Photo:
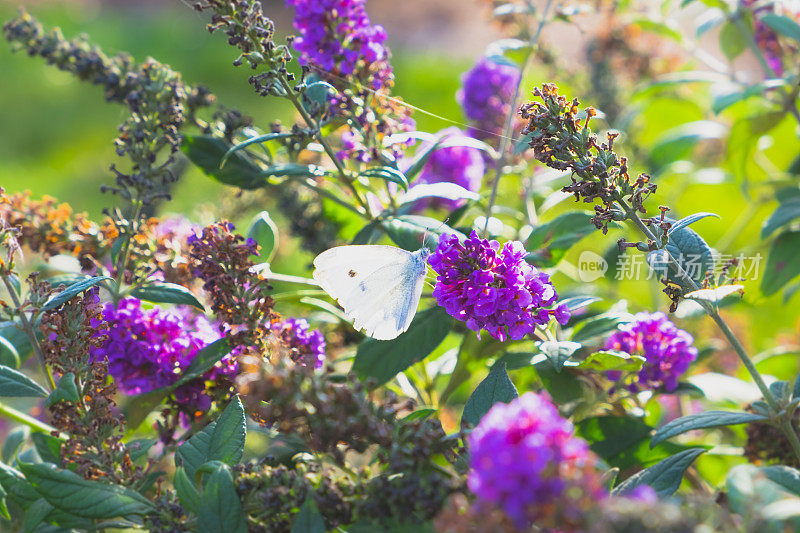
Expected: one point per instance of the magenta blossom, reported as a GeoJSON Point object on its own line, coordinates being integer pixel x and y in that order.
{"type": "Point", "coordinates": [667, 350]}
{"type": "Point", "coordinates": [493, 288]}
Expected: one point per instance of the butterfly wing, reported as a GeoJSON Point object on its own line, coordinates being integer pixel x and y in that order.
{"type": "Point", "coordinates": [378, 287]}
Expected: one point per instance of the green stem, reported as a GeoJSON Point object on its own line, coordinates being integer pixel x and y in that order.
{"type": "Point", "coordinates": [290, 94]}
{"type": "Point", "coordinates": [22, 418]}
{"type": "Point", "coordinates": [501, 162]}
{"type": "Point", "coordinates": [785, 424]}
{"type": "Point", "coordinates": [27, 327]}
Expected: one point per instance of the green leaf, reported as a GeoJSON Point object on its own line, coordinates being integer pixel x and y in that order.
{"type": "Point", "coordinates": [731, 40]}
{"type": "Point", "coordinates": [3, 506]}
{"type": "Point", "coordinates": [443, 189]}
{"type": "Point", "coordinates": [219, 506]}
{"type": "Point", "coordinates": [723, 101]}
{"type": "Point", "coordinates": [187, 492]}
{"type": "Point", "coordinates": [418, 163]}
{"type": "Point", "coordinates": [496, 387]}
{"type": "Point", "coordinates": [73, 290]}
{"type": "Point", "coordinates": [139, 447]}
{"type": "Point", "coordinates": [207, 153]}
{"type": "Point", "coordinates": [783, 25]}
{"type": "Point", "coordinates": [787, 211]}
{"type": "Point", "coordinates": [9, 356]}
{"type": "Point", "coordinates": [142, 405]}
{"type": "Point", "coordinates": [690, 251]}
{"type": "Point", "coordinates": [382, 360]}
{"type": "Point", "coordinates": [368, 234]}
{"type": "Point", "coordinates": [578, 302]}
{"type": "Point", "coordinates": [418, 414]}
{"type": "Point", "coordinates": [47, 446]}
{"type": "Point", "coordinates": [66, 391]}
{"type": "Point", "coordinates": [72, 494]}
{"type": "Point", "coordinates": [14, 383]}
{"type": "Point", "coordinates": [36, 513]}
{"type": "Point", "coordinates": [167, 293]}
{"type": "Point", "coordinates": [623, 441]}
{"type": "Point", "coordinates": [309, 520]}
{"type": "Point", "coordinates": [691, 219]}
{"type": "Point", "coordinates": [387, 174]}
{"type": "Point", "coordinates": [559, 351]}
{"type": "Point", "coordinates": [316, 95]}
{"type": "Point", "coordinates": [18, 339]}
{"type": "Point", "coordinates": [204, 361]}
{"type": "Point", "coordinates": [708, 419]}
{"type": "Point", "coordinates": [563, 387]}
{"type": "Point", "coordinates": [785, 476]}
{"type": "Point", "coordinates": [248, 142]}
{"type": "Point", "coordinates": [17, 487]}
{"type": "Point", "coordinates": [659, 28]}
{"type": "Point", "coordinates": [14, 442]}
{"type": "Point", "coordinates": [265, 232]}
{"type": "Point", "coordinates": [665, 476]}
{"type": "Point", "coordinates": [677, 144]}
{"type": "Point", "coordinates": [612, 361]}
{"type": "Point", "coordinates": [783, 262]}
{"type": "Point", "coordinates": [221, 440]}
{"type": "Point", "coordinates": [549, 242]}
{"type": "Point", "coordinates": [715, 295]}
{"type": "Point", "coordinates": [600, 325]}
{"type": "Point", "coordinates": [409, 231]}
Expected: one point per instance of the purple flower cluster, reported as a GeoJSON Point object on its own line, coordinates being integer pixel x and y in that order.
{"type": "Point", "coordinates": [525, 459]}
{"type": "Point", "coordinates": [147, 350]}
{"type": "Point", "coordinates": [462, 165]}
{"type": "Point", "coordinates": [667, 350]}
{"type": "Point", "coordinates": [307, 345]}
{"type": "Point", "coordinates": [493, 288]}
{"type": "Point", "coordinates": [486, 94]}
{"type": "Point", "coordinates": [338, 37]}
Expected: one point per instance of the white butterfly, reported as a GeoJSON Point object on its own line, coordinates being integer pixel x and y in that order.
{"type": "Point", "coordinates": [378, 286]}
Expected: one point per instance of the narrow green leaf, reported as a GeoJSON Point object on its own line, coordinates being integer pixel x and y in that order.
{"type": "Point", "coordinates": [309, 520]}
{"type": "Point", "coordinates": [612, 361]}
{"type": "Point", "coordinates": [559, 351]}
{"type": "Point", "coordinates": [419, 414]}
{"type": "Point", "coordinates": [66, 391]}
{"type": "Point", "coordinates": [3, 506]}
{"type": "Point", "coordinates": [220, 508]}
{"type": "Point", "coordinates": [665, 476]}
{"type": "Point", "coordinates": [783, 262]}
{"type": "Point", "coordinates": [420, 159]}
{"type": "Point", "coordinates": [139, 447]}
{"type": "Point", "coordinates": [715, 295]}
{"type": "Point", "coordinates": [382, 360]}
{"type": "Point", "coordinates": [47, 446]}
{"type": "Point", "coordinates": [387, 174]}
{"type": "Point", "coordinates": [72, 494]}
{"type": "Point", "coordinates": [167, 293]}
{"type": "Point", "coordinates": [549, 242]}
{"type": "Point", "coordinates": [578, 302]}
{"type": "Point", "coordinates": [691, 219]}
{"type": "Point", "coordinates": [496, 387]}
{"type": "Point", "coordinates": [708, 419]}
{"type": "Point", "coordinates": [787, 212]}
{"type": "Point", "coordinates": [688, 249]}
{"type": "Point", "coordinates": [204, 361]}
{"type": "Point", "coordinates": [187, 492]}
{"type": "Point", "coordinates": [265, 232]}
{"type": "Point", "coordinates": [192, 454]}
{"type": "Point", "coordinates": [248, 142]}
{"type": "Point", "coordinates": [411, 232]}
{"type": "Point", "coordinates": [13, 443]}
{"type": "Point", "coordinates": [207, 152]}
{"type": "Point", "coordinates": [783, 25]}
{"type": "Point", "coordinates": [14, 383]}
{"type": "Point", "coordinates": [9, 356]}
{"type": "Point", "coordinates": [600, 325]}
{"type": "Point", "coordinates": [73, 290]}
{"type": "Point", "coordinates": [731, 40]}
{"type": "Point", "coordinates": [36, 513]}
